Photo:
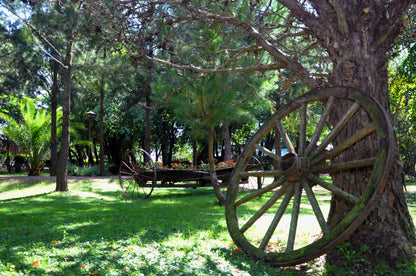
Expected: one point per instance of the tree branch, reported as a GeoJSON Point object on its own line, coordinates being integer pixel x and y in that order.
{"type": "Point", "coordinates": [190, 67]}
{"type": "Point", "coordinates": [285, 61]}
{"type": "Point", "coordinates": [342, 22]}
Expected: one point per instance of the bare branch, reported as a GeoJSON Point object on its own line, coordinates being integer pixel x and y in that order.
{"type": "Point", "coordinates": [190, 67]}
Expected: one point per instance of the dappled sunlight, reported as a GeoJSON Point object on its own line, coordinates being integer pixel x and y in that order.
{"type": "Point", "coordinates": [93, 229]}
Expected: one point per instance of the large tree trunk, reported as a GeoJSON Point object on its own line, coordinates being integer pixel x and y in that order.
{"type": "Point", "coordinates": [54, 106]}
{"type": "Point", "coordinates": [62, 168]}
{"type": "Point", "coordinates": [359, 60]}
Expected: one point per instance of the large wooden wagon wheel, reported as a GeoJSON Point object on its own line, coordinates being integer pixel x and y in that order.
{"type": "Point", "coordinates": [134, 174]}
{"type": "Point", "coordinates": [285, 223]}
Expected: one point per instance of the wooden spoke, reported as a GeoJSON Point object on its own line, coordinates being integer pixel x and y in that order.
{"type": "Point", "coordinates": [339, 192]}
{"type": "Point", "coordinates": [130, 176]}
{"type": "Point", "coordinates": [334, 167]}
{"type": "Point", "coordinates": [130, 185]}
{"type": "Point", "coordinates": [260, 192]}
{"type": "Point", "coordinates": [285, 137]}
{"type": "Point", "coordinates": [294, 218]}
{"type": "Point", "coordinates": [322, 121]}
{"type": "Point", "coordinates": [315, 206]}
{"type": "Point", "coordinates": [345, 144]}
{"type": "Point", "coordinates": [127, 173]}
{"type": "Point", "coordinates": [264, 208]}
{"type": "Point", "coordinates": [261, 173]}
{"type": "Point", "coordinates": [276, 219]}
{"type": "Point", "coordinates": [335, 131]}
{"type": "Point", "coordinates": [267, 152]}
{"type": "Point", "coordinates": [126, 168]}
{"type": "Point", "coordinates": [303, 123]}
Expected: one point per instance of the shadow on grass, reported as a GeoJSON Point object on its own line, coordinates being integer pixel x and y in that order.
{"type": "Point", "coordinates": [80, 234]}
{"type": "Point", "coordinates": [94, 228]}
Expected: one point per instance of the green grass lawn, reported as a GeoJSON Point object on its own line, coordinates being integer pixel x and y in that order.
{"type": "Point", "coordinates": [93, 230]}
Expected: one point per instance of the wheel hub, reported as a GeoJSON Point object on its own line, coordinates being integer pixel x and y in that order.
{"type": "Point", "coordinates": [295, 167]}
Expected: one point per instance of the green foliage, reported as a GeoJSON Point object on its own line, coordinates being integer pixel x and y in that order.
{"type": "Point", "coordinates": [30, 132]}
{"type": "Point", "coordinates": [213, 101]}
{"type": "Point", "coordinates": [83, 170]}
{"type": "Point", "coordinates": [402, 88]}
{"type": "Point", "coordinates": [20, 66]}
{"type": "Point", "coordinates": [357, 262]}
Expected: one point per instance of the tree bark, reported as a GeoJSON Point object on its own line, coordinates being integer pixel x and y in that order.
{"type": "Point", "coordinates": [102, 167]}
{"type": "Point", "coordinates": [148, 122]}
{"type": "Point", "coordinates": [54, 106]}
{"type": "Point", "coordinates": [62, 168]}
{"type": "Point", "coordinates": [359, 60]}
{"type": "Point", "coordinates": [228, 155]}
{"type": "Point", "coordinates": [213, 174]}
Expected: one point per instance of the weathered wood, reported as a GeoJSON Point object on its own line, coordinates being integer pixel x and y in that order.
{"type": "Point", "coordinates": [334, 189]}
{"type": "Point", "coordinates": [322, 121]}
{"type": "Point", "coordinates": [345, 144]}
{"type": "Point", "coordinates": [336, 130]}
{"type": "Point", "coordinates": [315, 206]}
{"type": "Point", "coordinates": [265, 207]}
{"type": "Point", "coordinates": [267, 152]}
{"type": "Point", "coordinates": [260, 192]}
{"type": "Point", "coordinates": [294, 218]}
{"type": "Point", "coordinates": [285, 137]}
{"type": "Point", "coordinates": [334, 167]}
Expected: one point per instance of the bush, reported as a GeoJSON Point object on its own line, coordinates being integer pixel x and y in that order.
{"type": "Point", "coordinates": [113, 169]}
{"type": "Point", "coordinates": [75, 170]}
{"type": "Point", "coordinates": [13, 163]}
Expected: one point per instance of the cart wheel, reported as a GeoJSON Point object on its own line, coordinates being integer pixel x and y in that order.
{"type": "Point", "coordinates": [134, 174]}
{"type": "Point", "coordinates": [265, 223]}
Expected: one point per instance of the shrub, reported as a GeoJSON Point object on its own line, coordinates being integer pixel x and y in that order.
{"type": "Point", "coordinates": [75, 170]}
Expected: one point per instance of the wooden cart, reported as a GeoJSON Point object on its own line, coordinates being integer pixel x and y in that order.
{"type": "Point", "coordinates": [138, 177]}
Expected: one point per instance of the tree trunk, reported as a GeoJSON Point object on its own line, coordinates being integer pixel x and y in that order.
{"type": "Point", "coordinates": [388, 233]}
{"type": "Point", "coordinates": [213, 174]}
{"type": "Point", "coordinates": [194, 153]}
{"type": "Point", "coordinates": [54, 106]}
{"type": "Point", "coordinates": [147, 136]}
{"type": "Point", "coordinates": [102, 167]}
{"type": "Point", "coordinates": [228, 155]}
{"type": "Point", "coordinates": [62, 168]}
{"type": "Point", "coordinates": [172, 140]}
{"type": "Point", "coordinates": [277, 139]}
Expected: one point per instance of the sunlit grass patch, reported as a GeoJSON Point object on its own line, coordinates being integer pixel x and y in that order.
{"type": "Point", "coordinates": [16, 189]}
